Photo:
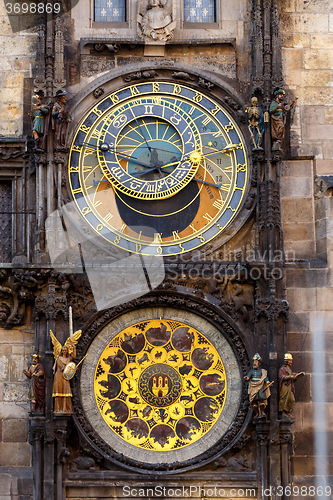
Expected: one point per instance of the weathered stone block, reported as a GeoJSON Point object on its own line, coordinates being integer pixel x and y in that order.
{"type": "Point", "coordinates": [22, 64]}
{"type": "Point", "coordinates": [304, 23]}
{"type": "Point", "coordinates": [294, 297]}
{"type": "Point", "coordinates": [300, 168]}
{"type": "Point", "coordinates": [11, 128]}
{"type": "Point", "coordinates": [321, 321]}
{"type": "Point", "coordinates": [299, 341]}
{"type": "Point", "coordinates": [14, 454]}
{"type": "Point", "coordinates": [328, 150]}
{"type": "Point", "coordinates": [18, 349]}
{"type": "Point", "coordinates": [313, 78]}
{"type": "Point", "coordinates": [5, 349]}
{"type": "Point", "coordinates": [304, 443]}
{"type": "Point", "coordinates": [313, 114]}
{"type": "Point", "coordinates": [8, 409]}
{"type": "Point", "coordinates": [298, 322]}
{"type": "Point", "coordinates": [321, 228]}
{"type": "Point", "coordinates": [301, 231]}
{"type": "Point", "coordinates": [301, 249]}
{"type": "Point", "coordinates": [297, 210]}
{"type": "Point", "coordinates": [295, 40]}
{"type": "Point", "coordinates": [309, 299]}
{"type": "Point", "coordinates": [5, 484]}
{"type": "Point", "coordinates": [324, 167]}
{"type": "Point", "coordinates": [292, 59]}
{"type": "Point", "coordinates": [14, 79]}
{"type": "Point", "coordinates": [321, 41]}
{"type": "Point", "coordinates": [4, 367]}
{"type": "Point", "coordinates": [318, 6]}
{"type": "Point", "coordinates": [15, 430]}
{"type": "Point", "coordinates": [24, 486]}
{"type": "Point", "coordinates": [329, 114]}
{"type": "Point", "coordinates": [306, 278]}
{"type": "Point", "coordinates": [318, 132]}
{"type": "Point", "coordinates": [296, 187]}
{"type": "Point", "coordinates": [16, 391]}
{"type": "Point", "coordinates": [318, 59]}
{"type": "Point", "coordinates": [311, 96]}
{"type": "Point", "coordinates": [17, 365]}
{"type": "Point", "coordinates": [17, 45]}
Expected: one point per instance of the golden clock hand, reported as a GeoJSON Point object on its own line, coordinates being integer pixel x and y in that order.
{"type": "Point", "coordinates": [129, 158]}
{"type": "Point", "coordinates": [227, 149]}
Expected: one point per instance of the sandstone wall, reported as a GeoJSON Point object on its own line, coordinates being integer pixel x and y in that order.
{"type": "Point", "coordinates": [307, 211]}
{"type": "Point", "coordinates": [17, 54]}
{"type": "Point", "coordinates": [15, 451]}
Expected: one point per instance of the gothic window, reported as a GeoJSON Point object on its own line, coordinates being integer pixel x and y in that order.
{"type": "Point", "coordinates": [5, 221]}
{"type": "Point", "coordinates": [113, 11]}
{"type": "Point", "coordinates": [199, 11]}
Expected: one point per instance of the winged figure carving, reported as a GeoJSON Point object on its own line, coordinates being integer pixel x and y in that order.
{"type": "Point", "coordinates": [70, 342]}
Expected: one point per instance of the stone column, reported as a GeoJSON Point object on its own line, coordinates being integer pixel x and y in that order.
{"type": "Point", "coordinates": [40, 159]}
{"type": "Point", "coordinates": [262, 435]}
{"type": "Point", "coordinates": [36, 434]}
{"type": "Point", "coordinates": [61, 425]}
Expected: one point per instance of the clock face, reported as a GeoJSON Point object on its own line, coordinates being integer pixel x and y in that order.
{"type": "Point", "coordinates": [158, 168]}
{"type": "Point", "coordinates": [160, 385]}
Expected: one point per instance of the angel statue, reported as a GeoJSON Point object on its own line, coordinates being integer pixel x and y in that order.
{"type": "Point", "coordinates": [61, 386]}
{"type": "Point", "coordinates": [155, 19]}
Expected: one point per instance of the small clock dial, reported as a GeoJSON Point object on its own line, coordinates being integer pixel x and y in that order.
{"type": "Point", "coordinates": [158, 168]}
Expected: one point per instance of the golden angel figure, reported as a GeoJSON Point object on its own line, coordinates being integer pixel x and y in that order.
{"type": "Point", "coordinates": [61, 387]}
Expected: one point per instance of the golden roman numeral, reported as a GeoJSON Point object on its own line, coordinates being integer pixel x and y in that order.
{"type": "Point", "coordinates": [108, 217]}
{"type": "Point", "coordinates": [208, 217]}
{"type": "Point", "coordinates": [158, 238]}
{"type": "Point", "coordinates": [218, 204]}
{"type": "Point", "coordinates": [134, 90]}
{"type": "Point", "coordinates": [175, 235]}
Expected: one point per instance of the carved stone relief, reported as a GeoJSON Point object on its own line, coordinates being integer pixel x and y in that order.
{"type": "Point", "coordinates": [155, 20]}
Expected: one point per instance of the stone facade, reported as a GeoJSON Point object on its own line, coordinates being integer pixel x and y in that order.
{"type": "Point", "coordinates": [230, 56]}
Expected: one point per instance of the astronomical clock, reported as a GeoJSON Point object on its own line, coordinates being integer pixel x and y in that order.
{"type": "Point", "coordinates": [160, 169]}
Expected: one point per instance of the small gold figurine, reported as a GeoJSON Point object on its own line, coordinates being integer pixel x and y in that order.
{"type": "Point", "coordinates": [64, 356]}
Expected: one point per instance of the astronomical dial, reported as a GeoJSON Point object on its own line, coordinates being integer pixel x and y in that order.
{"type": "Point", "coordinates": [158, 168]}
